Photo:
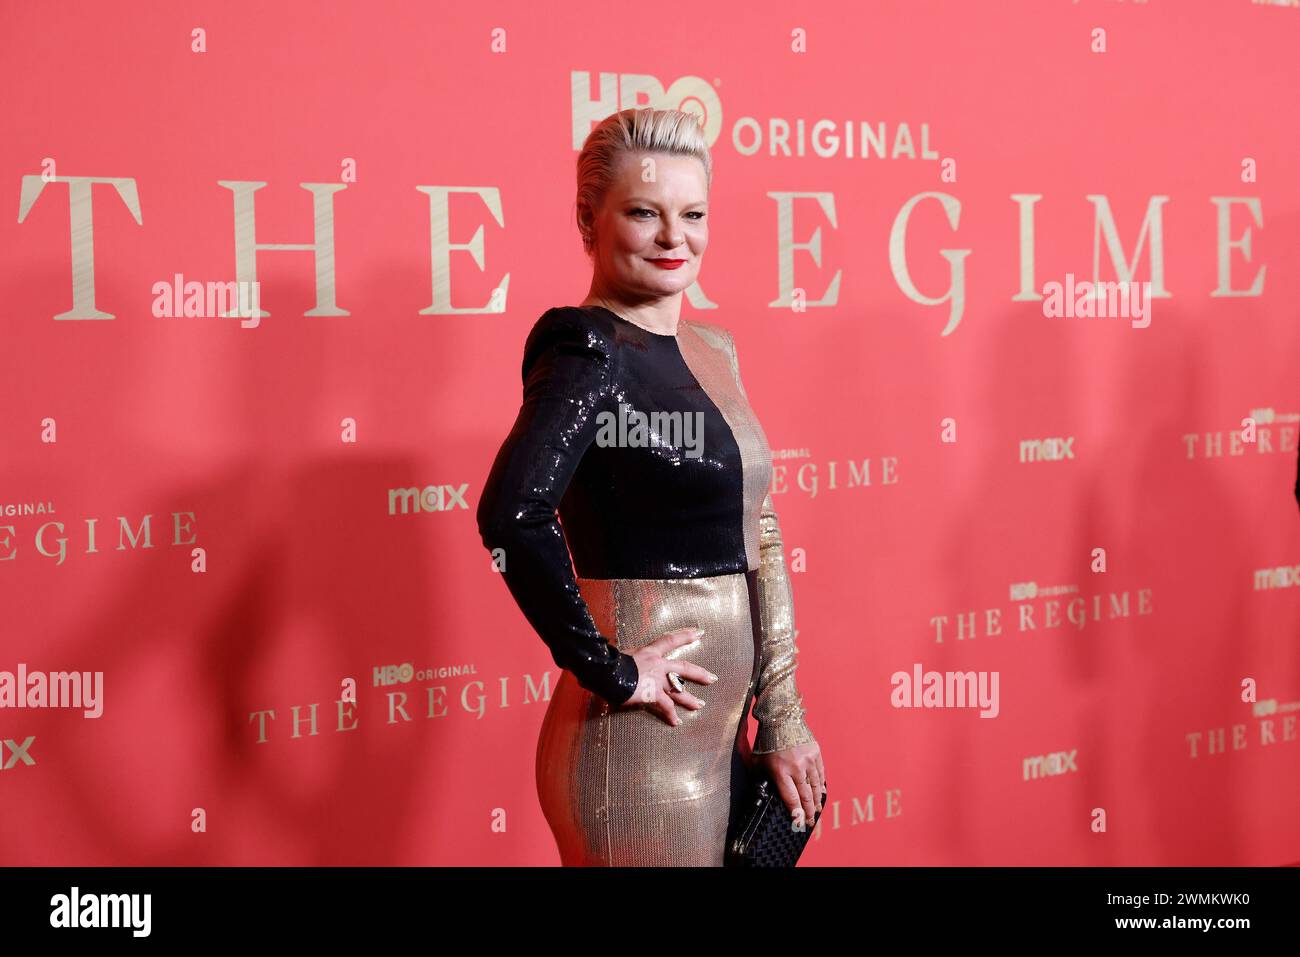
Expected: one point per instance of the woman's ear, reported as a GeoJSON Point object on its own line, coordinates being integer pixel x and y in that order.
{"type": "Point", "coordinates": [586, 223]}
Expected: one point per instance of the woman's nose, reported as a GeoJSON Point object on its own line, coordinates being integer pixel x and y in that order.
{"type": "Point", "coordinates": [671, 237]}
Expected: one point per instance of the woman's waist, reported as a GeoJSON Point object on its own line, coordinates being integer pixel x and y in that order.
{"type": "Point", "coordinates": [658, 556]}
{"type": "Point", "coordinates": [672, 581]}
{"type": "Point", "coordinates": [658, 538]}
{"type": "Point", "coordinates": [632, 612]}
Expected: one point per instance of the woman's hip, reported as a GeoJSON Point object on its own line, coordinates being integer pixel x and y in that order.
{"type": "Point", "coordinates": [613, 782]}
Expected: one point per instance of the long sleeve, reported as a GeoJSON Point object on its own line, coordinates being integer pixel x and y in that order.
{"type": "Point", "coordinates": [778, 706]}
{"type": "Point", "coordinates": [568, 374]}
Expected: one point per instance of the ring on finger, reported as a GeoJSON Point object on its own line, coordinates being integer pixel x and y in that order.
{"type": "Point", "coordinates": [675, 680]}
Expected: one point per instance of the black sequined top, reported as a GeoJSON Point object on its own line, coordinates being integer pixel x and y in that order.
{"type": "Point", "coordinates": [651, 504]}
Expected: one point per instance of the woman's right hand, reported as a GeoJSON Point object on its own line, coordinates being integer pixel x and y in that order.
{"type": "Point", "coordinates": [654, 690]}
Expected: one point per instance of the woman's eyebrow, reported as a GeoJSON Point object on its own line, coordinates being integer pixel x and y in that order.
{"type": "Point", "coordinates": [650, 202]}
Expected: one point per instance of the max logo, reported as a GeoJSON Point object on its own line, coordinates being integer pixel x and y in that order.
{"type": "Point", "coordinates": [1046, 765]}
{"type": "Point", "coordinates": [1046, 450]}
{"type": "Point", "coordinates": [16, 751]}
{"type": "Point", "coordinates": [431, 498]}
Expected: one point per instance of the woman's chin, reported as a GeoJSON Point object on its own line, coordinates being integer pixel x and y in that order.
{"type": "Point", "coordinates": [668, 281]}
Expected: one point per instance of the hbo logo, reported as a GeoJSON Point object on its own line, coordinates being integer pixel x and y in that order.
{"type": "Point", "coordinates": [394, 674]}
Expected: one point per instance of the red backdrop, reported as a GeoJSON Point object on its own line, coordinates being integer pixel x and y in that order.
{"type": "Point", "coordinates": [436, 145]}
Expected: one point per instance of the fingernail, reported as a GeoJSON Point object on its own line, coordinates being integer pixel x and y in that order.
{"type": "Point", "coordinates": [713, 676]}
{"type": "Point", "coordinates": [699, 631]}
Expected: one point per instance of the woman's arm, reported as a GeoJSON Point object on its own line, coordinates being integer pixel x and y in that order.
{"type": "Point", "coordinates": [778, 706]}
{"type": "Point", "coordinates": [567, 373]}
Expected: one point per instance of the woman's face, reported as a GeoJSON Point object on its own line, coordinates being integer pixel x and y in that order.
{"type": "Point", "coordinates": [654, 214]}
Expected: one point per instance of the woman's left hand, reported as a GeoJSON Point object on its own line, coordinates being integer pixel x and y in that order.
{"type": "Point", "coordinates": [799, 775]}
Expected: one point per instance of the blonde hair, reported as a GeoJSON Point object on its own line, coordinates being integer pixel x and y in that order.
{"type": "Point", "coordinates": [638, 130]}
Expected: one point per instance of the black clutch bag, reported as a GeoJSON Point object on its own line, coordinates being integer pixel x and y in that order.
{"type": "Point", "coordinates": [759, 832]}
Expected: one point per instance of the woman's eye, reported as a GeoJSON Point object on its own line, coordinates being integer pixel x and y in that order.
{"type": "Point", "coordinates": [694, 214]}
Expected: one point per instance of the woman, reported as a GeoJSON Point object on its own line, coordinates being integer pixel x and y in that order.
{"type": "Point", "coordinates": [680, 572]}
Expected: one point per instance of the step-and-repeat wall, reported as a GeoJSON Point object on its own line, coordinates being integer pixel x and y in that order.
{"type": "Point", "coordinates": [1013, 287]}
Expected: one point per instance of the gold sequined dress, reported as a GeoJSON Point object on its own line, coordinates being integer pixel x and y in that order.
{"type": "Point", "coordinates": [669, 525]}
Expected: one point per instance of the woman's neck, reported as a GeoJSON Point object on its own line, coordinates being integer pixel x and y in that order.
{"type": "Point", "coordinates": [660, 317]}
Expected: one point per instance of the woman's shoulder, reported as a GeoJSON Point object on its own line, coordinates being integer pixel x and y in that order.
{"type": "Point", "coordinates": [719, 337]}
{"type": "Point", "coordinates": [711, 332]}
{"type": "Point", "coordinates": [573, 320]}
{"type": "Point", "coordinates": [569, 329]}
